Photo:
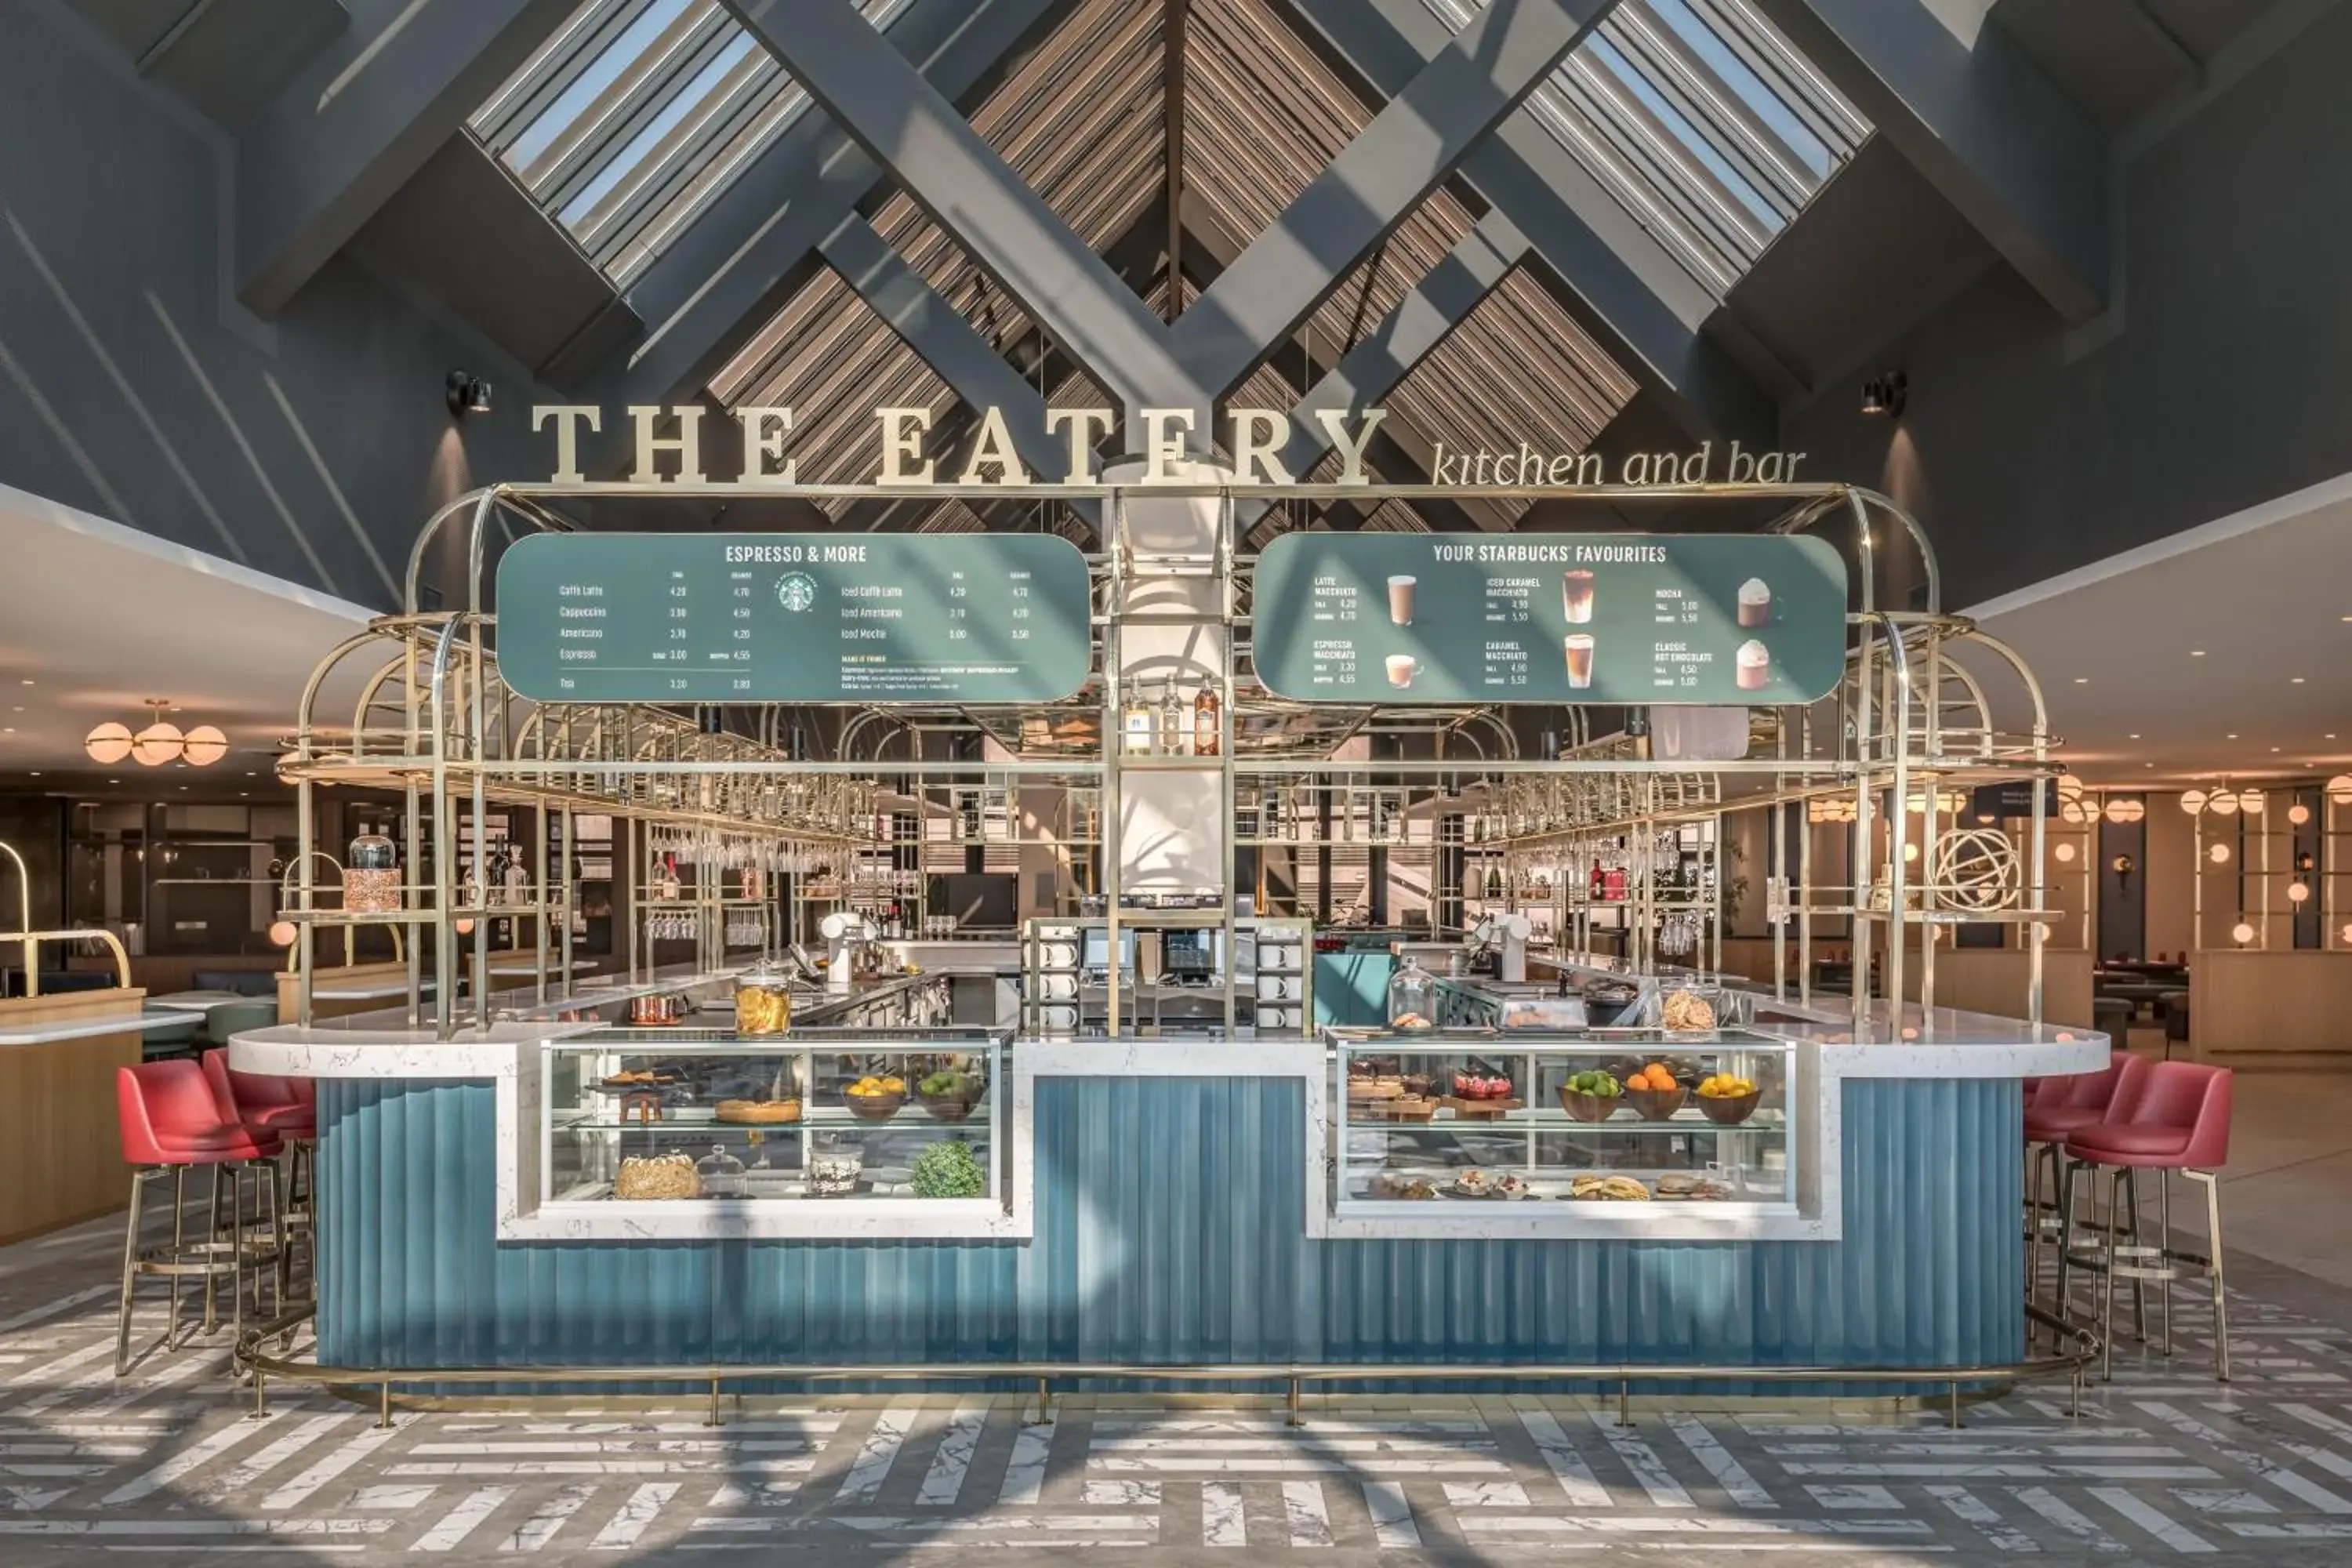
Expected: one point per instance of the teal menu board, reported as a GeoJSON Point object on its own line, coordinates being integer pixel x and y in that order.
{"type": "Point", "coordinates": [793, 617]}
{"type": "Point", "coordinates": [1621, 619]}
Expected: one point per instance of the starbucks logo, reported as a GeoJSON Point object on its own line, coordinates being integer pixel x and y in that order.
{"type": "Point", "coordinates": [796, 591]}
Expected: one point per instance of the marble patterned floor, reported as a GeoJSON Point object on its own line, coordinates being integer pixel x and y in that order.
{"type": "Point", "coordinates": [167, 1464]}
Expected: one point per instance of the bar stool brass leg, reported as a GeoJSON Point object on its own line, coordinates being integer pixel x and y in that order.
{"type": "Point", "coordinates": [179, 1244]}
{"type": "Point", "coordinates": [130, 1272]}
{"type": "Point", "coordinates": [2107, 1283]}
{"type": "Point", "coordinates": [2212, 1182]}
{"type": "Point", "coordinates": [2034, 1153]}
{"type": "Point", "coordinates": [2139, 1285]}
{"type": "Point", "coordinates": [2163, 1240]}
{"type": "Point", "coordinates": [211, 1239]}
{"type": "Point", "coordinates": [2065, 1300]}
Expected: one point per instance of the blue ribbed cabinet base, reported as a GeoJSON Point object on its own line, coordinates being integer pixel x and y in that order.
{"type": "Point", "coordinates": [1169, 1231]}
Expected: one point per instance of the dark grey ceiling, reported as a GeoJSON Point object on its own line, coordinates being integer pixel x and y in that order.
{"type": "Point", "coordinates": [2118, 57]}
{"type": "Point", "coordinates": [228, 57]}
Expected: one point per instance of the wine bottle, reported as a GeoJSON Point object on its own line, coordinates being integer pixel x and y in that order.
{"type": "Point", "coordinates": [1207, 710]}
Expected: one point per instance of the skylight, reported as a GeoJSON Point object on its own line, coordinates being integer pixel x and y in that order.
{"type": "Point", "coordinates": [636, 115]}
{"type": "Point", "coordinates": [1704, 121]}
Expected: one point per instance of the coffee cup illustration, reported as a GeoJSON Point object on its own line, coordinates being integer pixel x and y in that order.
{"type": "Point", "coordinates": [1576, 595]}
{"type": "Point", "coordinates": [1755, 603]}
{"type": "Point", "coordinates": [1400, 599]}
{"type": "Point", "coordinates": [1578, 646]}
{"type": "Point", "coordinates": [1402, 669]}
{"type": "Point", "coordinates": [1754, 664]}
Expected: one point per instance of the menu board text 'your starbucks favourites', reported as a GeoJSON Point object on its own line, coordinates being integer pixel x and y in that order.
{"type": "Point", "coordinates": [793, 617]}
{"type": "Point", "coordinates": [1717, 619]}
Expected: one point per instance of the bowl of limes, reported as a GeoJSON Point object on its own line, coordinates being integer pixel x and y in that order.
{"type": "Point", "coordinates": [1591, 1095]}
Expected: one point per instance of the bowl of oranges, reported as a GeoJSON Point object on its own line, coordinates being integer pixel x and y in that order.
{"type": "Point", "coordinates": [874, 1098]}
{"type": "Point", "coordinates": [1728, 1099]}
{"type": "Point", "coordinates": [1655, 1093]}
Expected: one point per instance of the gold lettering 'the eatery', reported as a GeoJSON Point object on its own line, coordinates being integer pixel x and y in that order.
{"type": "Point", "coordinates": [1258, 437]}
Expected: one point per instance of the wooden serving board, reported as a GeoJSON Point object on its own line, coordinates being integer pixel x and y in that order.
{"type": "Point", "coordinates": [1482, 1109]}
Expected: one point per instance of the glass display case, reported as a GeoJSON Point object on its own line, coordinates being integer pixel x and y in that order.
{"type": "Point", "coordinates": [671, 1114]}
{"type": "Point", "coordinates": [1627, 1116]}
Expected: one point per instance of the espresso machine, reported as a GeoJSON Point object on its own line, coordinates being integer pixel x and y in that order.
{"type": "Point", "coordinates": [847, 935]}
{"type": "Point", "coordinates": [1504, 935]}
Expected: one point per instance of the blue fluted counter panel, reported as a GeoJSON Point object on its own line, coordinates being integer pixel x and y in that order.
{"type": "Point", "coordinates": [1169, 1229]}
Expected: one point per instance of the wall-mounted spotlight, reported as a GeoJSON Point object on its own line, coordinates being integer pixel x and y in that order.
{"type": "Point", "coordinates": [2123, 866]}
{"type": "Point", "coordinates": [468, 394]}
{"type": "Point", "coordinates": [1885, 394]}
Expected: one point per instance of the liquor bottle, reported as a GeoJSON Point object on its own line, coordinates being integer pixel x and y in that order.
{"type": "Point", "coordinates": [1171, 720]}
{"type": "Point", "coordinates": [1494, 883]}
{"type": "Point", "coordinates": [1207, 710]}
{"type": "Point", "coordinates": [1138, 724]}
{"type": "Point", "coordinates": [1599, 881]}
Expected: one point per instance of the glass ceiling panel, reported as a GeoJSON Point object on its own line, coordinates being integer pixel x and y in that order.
{"type": "Point", "coordinates": [1703, 122]}
{"type": "Point", "coordinates": [636, 115]}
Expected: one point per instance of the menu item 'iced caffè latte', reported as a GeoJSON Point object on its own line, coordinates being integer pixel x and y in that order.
{"type": "Point", "coordinates": [1400, 600]}
{"type": "Point", "coordinates": [1755, 603]}
{"type": "Point", "coordinates": [1576, 596]}
{"type": "Point", "coordinates": [1578, 646]}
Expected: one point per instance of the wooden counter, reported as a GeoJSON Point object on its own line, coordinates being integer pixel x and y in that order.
{"type": "Point", "coordinates": [61, 1145]}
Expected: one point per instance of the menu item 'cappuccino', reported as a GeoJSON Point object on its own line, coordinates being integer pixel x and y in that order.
{"type": "Point", "coordinates": [1400, 600]}
{"type": "Point", "coordinates": [1755, 664]}
{"type": "Point", "coordinates": [1576, 595]}
{"type": "Point", "coordinates": [1401, 669]}
{"type": "Point", "coordinates": [1578, 646]}
{"type": "Point", "coordinates": [1755, 603]}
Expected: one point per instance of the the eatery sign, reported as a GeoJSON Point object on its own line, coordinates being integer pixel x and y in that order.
{"type": "Point", "coordinates": [1255, 439]}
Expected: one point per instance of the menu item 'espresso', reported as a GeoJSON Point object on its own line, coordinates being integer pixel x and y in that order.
{"type": "Point", "coordinates": [1400, 600]}
{"type": "Point", "coordinates": [1755, 666]}
{"type": "Point", "coordinates": [1578, 646]}
{"type": "Point", "coordinates": [1576, 595]}
{"type": "Point", "coordinates": [1401, 669]}
{"type": "Point", "coordinates": [1755, 603]}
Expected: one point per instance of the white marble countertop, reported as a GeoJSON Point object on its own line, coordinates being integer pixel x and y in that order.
{"type": "Point", "coordinates": [42, 1034]}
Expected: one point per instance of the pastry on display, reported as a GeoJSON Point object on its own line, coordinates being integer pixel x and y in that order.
{"type": "Point", "coordinates": [1480, 1086]}
{"type": "Point", "coordinates": [1411, 1021]}
{"type": "Point", "coordinates": [1686, 1010]}
{"type": "Point", "coordinates": [657, 1176]}
{"type": "Point", "coordinates": [1591, 1188]}
{"type": "Point", "coordinates": [835, 1173]}
{"type": "Point", "coordinates": [1390, 1185]}
{"type": "Point", "coordinates": [757, 1111]}
{"type": "Point", "coordinates": [1490, 1184]}
{"type": "Point", "coordinates": [1683, 1187]}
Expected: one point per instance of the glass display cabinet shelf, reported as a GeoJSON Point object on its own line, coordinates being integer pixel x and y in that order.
{"type": "Point", "coordinates": [699, 1115]}
{"type": "Point", "coordinates": [1700, 1119]}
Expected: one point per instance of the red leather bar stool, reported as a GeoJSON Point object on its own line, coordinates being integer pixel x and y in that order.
{"type": "Point", "coordinates": [285, 1109]}
{"type": "Point", "coordinates": [2176, 1119]}
{"type": "Point", "coordinates": [170, 1124]}
{"type": "Point", "coordinates": [2059, 1108]}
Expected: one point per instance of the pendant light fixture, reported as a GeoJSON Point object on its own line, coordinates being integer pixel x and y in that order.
{"type": "Point", "coordinates": [158, 741]}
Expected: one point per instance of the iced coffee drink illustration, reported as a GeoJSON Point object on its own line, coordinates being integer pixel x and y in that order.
{"type": "Point", "coordinates": [1400, 600]}
{"type": "Point", "coordinates": [1755, 603]}
{"type": "Point", "coordinates": [1576, 595]}
{"type": "Point", "coordinates": [1754, 661]}
{"type": "Point", "coordinates": [1401, 666]}
{"type": "Point", "coordinates": [1578, 646]}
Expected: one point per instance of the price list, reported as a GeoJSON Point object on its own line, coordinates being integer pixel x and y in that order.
{"type": "Point", "coordinates": [587, 618]}
{"type": "Point", "coordinates": [1618, 619]}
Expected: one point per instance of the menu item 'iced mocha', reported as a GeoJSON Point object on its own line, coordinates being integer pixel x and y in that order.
{"type": "Point", "coordinates": [1576, 595]}
{"type": "Point", "coordinates": [1400, 600]}
{"type": "Point", "coordinates": [1755, 603]}
{"type": "Point", "coordinates": [1401, 669]}
{"type": "Point", "coordinates": [1578, 646]}
{"type": "Point", "coordinates": [1755, 666]}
